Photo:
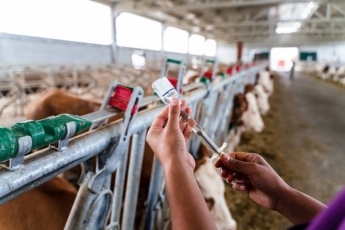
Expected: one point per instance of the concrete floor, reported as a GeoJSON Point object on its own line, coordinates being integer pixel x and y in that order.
{"type": "Point", "coordinates": [312, 133]}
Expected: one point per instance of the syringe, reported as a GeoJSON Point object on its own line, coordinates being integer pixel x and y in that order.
{"type": "Point", "coordinates": [166, 92]}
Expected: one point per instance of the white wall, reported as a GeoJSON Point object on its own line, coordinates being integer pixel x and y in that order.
{"type": "Point", "coordinates": [226, 53]}
{"type": "Point", "coordinates": [327, 52]}
{"type": "Point", "coordinates": [249, 51]}
{"type": "Point", "coordinates": [25, 50]}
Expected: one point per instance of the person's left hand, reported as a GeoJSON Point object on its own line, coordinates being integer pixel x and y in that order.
{"type": "Point", "coordinates": [168, 135]}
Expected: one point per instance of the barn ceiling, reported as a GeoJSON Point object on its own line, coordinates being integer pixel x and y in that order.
{"type": "Point", "coordinates": [249, 21]}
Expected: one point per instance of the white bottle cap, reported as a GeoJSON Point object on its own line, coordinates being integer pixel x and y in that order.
{"type": "Point", "coordinates": [164, 89]}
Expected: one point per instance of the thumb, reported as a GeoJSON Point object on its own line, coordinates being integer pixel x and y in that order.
{"type": "Point", "coordinates": [237, 165]}
{"type": "Point", "coordinates": [174, 113]}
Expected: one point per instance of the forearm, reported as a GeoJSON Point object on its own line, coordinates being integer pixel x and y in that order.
{"type": "Point", "coordinates": [187, 205]}
{"type": "Point", "coordinates": [297, 206]}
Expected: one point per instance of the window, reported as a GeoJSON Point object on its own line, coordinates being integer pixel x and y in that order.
{"type": "Point", "coordinates": [138, 32]}
{"type": "Point", "coordinates": [175, 40]}
{"type": "Point", "coordinates": [196, 44]}
{"type": "Point", "coordinates": [210, 47]}
{"type": "Point", "coordinates": [77, 20]}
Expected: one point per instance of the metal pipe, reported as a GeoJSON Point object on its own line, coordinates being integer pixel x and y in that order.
{"type": "Point", "coordinates": [134, 172]}
{"type": "Point", "coordinates": [118, 192]}
{"type": "Point", "coordinates": [157, 170]}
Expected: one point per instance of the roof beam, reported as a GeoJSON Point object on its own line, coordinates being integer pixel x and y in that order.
{"type": "Point", "coordinates": [275, 21]}
{"type": "Point", "coordinates": [232, 4]}
{"type": "Point", "coordinates": [304, 31]}
{"type": "Point", "coordinates": [340, 10]}
{"type": "Point", "coordinates": [287, 39]}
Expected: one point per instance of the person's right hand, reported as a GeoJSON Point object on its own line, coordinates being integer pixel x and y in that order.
{"type": "Point", "coordinates": [250, 173]}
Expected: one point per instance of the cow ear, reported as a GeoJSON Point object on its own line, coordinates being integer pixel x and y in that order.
{"type": "Point", "coordinates": [210, 203]}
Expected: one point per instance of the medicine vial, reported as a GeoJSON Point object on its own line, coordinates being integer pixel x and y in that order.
{"type": "Point", "coordinates": [164, 89]}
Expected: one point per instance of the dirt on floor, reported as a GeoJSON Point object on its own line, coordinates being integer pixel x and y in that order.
{"type": "Point", "coordinates": [285, 148]}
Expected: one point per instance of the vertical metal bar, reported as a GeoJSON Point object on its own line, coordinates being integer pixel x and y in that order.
{"type": "Point", "coordinates": [221, 113]}
{"type": "Point", "coordinates": [162, 41]}
{"type": "Point", "coordinates": [208, 109]}
{"type": "Point", "coordinates": [118, 192]}
{"type": "Point", "coordinates": [114, 15]}
{"type": "Point", "coordinates": [157, 170]}
{"type": "Point", "coordinates": [132, 188]}
{"type": "Point", "coordinates": [227, 115]}
{"type": "Point", "coordinates": [181, 74]}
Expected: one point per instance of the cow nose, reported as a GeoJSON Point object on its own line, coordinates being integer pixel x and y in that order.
{"type": "Point", "coordinates": [260, 128]}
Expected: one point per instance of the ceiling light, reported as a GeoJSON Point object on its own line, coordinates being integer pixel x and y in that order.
{"type": "Point", "coordinates": [287, 27]}
{"type": "Point", "coordinates": [309, 10]}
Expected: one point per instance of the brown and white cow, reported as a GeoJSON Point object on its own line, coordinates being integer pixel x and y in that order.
{"type": "Point", "coordinates": [245, 116]}
{"type": "Point", "coordinates": [261, 97]}
{"type": "Point", "coordinates": [213, 189]}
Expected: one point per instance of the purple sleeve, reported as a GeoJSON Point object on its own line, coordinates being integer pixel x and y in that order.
{"type": "Point", "coordinates": [333, 217]}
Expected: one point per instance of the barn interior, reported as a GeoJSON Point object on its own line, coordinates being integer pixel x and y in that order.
{"type": "Point", "coordinates": [82, 46]}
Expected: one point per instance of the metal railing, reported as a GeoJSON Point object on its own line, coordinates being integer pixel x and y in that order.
{"type": "Point", "coordinates": [211, 107]}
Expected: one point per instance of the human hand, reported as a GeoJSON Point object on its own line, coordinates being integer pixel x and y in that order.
{"type": "Point", "coordinates": [250, 173]}
{"type": "Point", "coordinates": [168, 135]}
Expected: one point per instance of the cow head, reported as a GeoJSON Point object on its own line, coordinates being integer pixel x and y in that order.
{"type": "Point", "coordinates": [251, 117]}
{"type": "Point", "coordinates": [190, 77]}
{"type": "Point", "coordinates": [261, 99]}
{"type": "Point", "coordinates": [266, 81]}
{"type": "Point", "coordinates": [245, 112]}
{"type": "Point", "coordinates": [212, 187]}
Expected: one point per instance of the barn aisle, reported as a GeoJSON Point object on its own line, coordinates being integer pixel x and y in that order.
{"type": "Point", "coordinates": [304, 142]}
{"type": "Point", "coordinates": [314, 130]}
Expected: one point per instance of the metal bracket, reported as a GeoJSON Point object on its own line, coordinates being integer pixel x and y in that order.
{"type": "Point", "coordinates": [116, 151]}
{"type": "Point", "coordinates": [104, 105]}
{"type": "Point", "coordinates": [61, 145]}
{"type": "Point", "coordinates": [24, 146]}
{"type": "Point", "coordinates": [181, 73]}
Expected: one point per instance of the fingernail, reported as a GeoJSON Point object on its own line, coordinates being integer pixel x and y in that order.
{"type": "Point", "coordinates": [174, 102]}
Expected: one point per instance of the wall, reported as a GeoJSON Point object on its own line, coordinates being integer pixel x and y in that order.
{"type": "Point", "coordinates": [124, 55]}
{"type": "Point", "coordinates": [226, 53]}
{"type": "Point", "coordinates": [327, 52]}
{"type": "Point", "coordinates": [25, 50]}
{"type": "Point", "coordinates": [250, 50]}
{"type": "Point", "coordinates": [332, 52]}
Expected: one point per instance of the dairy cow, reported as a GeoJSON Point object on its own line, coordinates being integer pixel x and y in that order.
{"type": "Point", "coordinates": [265, 78]}
{"type": "Point", "coordinates": [245, 116]}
